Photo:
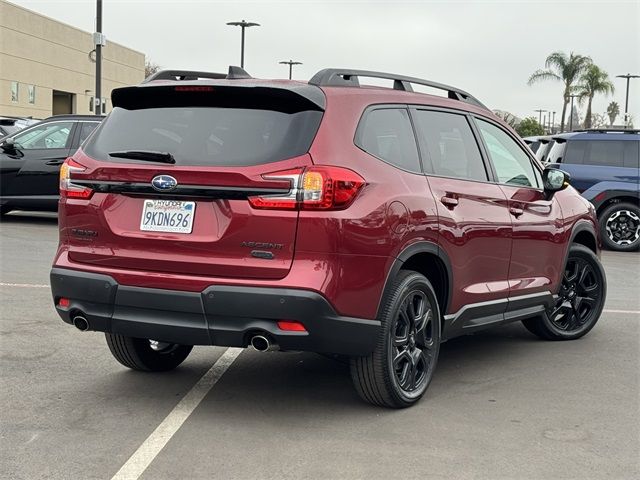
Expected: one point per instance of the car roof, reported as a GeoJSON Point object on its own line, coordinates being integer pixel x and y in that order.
{"type": "Point", "coordinates": [73, 116]}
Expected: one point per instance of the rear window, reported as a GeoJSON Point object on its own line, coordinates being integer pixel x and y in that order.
{"type": "Point", "coordinates": [207, 136]}
{"type": "Point", "coordinates": [609, 153]}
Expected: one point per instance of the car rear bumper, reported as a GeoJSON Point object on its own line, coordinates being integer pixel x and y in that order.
{"type": "Point", "coordinates": [219, 315]}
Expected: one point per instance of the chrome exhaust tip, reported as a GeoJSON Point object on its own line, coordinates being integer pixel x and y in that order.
{"type": "Point", "coordinates": [81, 323]}
{"type": "Point", "coordinates": [261, 343]}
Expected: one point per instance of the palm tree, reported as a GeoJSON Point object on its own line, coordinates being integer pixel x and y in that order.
{"type": "Point", "coordinates": [564, 68]}
{"type": "Point", "coordinates": [613, 110]}
{"type": "Point", "coordinates": [594, 80]}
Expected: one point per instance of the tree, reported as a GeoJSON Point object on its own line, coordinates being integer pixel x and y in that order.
{"type": "Point", "coordinates": [613, 110]}
{"type": "Point", "coordinates": [598, 121]}
{"type": "Point", "coordinates": [150, 68]}
{"type": "Point", "coordinates": [529, 127]}
{"type": "Point", "coordinates": [564, 68]}
{"type": "Point", "coordinates": [594, 80]}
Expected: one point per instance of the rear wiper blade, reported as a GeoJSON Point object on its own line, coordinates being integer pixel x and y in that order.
{"type": "Point", "coordinates": [147, 155]}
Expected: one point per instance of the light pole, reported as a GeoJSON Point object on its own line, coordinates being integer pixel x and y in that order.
{"type": "Point", "coordinates": [540, 112]}
{"type": "Point", "coordinates": [544, 122]}
{"type": "Point", "coordinates": [628, 76]}
{"type": "Point", "coordinates": [553, 122]}
{"type": "Point", "coordinates": [243, 24]}
{"type": "Point", "coordinates": [291, 63]}
{"type": "Point", "coordinates": [571, 113]}
{"type": "Point", "coordinates": [99, 42]}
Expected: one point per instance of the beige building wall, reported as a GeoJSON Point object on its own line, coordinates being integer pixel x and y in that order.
{"type": "Point", "coordinates": [37, 51]}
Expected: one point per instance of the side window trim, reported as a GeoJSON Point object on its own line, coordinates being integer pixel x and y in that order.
{"type": "Point", "coordinates": [424, 153]}
{"type": "Point", "coordinates": [532, 160]}
{"type": "Point", "coordinates": [388, 106]}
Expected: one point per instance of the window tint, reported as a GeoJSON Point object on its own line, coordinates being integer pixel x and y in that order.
{"type": "Point", "coordinates": [50, 135]}
{"type": "Point", "coordinates": [609, 153]}
{"type": "Point", "coordinates": [512, 164]}
{"type": "Point", "coordinates": [387, 134]}
{"type": "Point", "coordinates": [450, 144]}
{"type": "Point", "coordinates": [86, 129]}
{"type": "Point", "coordinates": [207, 135]}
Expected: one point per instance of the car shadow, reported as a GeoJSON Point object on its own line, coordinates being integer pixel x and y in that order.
{"type": "Point", "coordinates": [302, 384]}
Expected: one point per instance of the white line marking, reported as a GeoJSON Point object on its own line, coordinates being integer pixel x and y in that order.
{"type": "Point", "coordinates": [24, 285]}
{"type": "Point", "coordinates": [151, 447]}
{"type": "Point", "coordinates": [633, 312]}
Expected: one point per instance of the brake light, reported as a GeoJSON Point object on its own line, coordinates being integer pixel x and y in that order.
{"type": "Point", "coordinates": [67, 188]}
{"type": "Point", "coordinates": [291, 326]}
{"type": "Point", "coordinates": [316, 188]}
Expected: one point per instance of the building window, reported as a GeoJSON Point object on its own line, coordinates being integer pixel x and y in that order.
{"type": "Point", "coordinates": [104, 105]}
{"type": "Point", "coordinates": [31, 90]}
{"type": "Point", "coordinates": [14, 92]}
{"type": "Point", "coordinates": [91, 102]}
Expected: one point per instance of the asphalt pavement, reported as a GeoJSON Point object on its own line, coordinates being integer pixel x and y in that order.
{"type": "Point", "coordinates": [502, 405]}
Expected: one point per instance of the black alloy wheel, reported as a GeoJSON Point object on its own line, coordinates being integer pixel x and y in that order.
{"type": "Point", "coordinates": [579, 302]}
{"type": "Point", "coordinates": [413, 346]}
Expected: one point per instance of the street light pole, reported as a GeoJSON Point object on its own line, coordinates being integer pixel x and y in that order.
{"type": "Point", "coordinates": [243, 24]}
{"type": "Point", "coordinates": [98, 42]}
{"type": "Point", "coordinates": [571, 114]}
{"type": "Point", "coordinates": [540, 112]}
{"type": "Point", "coordinates": [291, 63]}
{"type": "Point", "coordinates": [553, 122]}
{"type": "Point", "coordinates": [628, 76]}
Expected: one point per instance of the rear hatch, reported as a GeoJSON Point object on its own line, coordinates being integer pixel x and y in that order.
{"type": "Point", "coordinates": [175, 169]}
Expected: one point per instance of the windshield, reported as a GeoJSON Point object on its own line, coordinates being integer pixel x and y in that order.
{"type": "Point", "coordinates": [206, 135]}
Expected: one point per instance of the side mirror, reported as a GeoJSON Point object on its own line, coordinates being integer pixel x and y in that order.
{"type": "Point", "coordinates": [8, 145]}
{"type": "Point", "coordinates": [554, 180]}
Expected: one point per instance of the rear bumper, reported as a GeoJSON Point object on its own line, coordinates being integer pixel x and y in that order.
{"type": "Point", "coordinates": [219, 315]}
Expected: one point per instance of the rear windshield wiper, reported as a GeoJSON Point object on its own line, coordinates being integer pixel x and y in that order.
{"type": "Point", "coordinates": [147, 155]}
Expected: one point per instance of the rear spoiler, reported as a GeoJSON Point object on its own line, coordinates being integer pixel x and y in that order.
{"type": "Point", "coordinates": [186, 88]}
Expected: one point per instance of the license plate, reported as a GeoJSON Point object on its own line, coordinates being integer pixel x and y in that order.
{"type": "Point", "coordinates": [167, 216]}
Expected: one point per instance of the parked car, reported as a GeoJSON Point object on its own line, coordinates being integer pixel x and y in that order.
{"type": "Point", "coordinates": [534, 142]}
{"type": "Point", "coordinates": [30, 161]}
{"type": "Point", "coordinates": [604, 167]}
{"type": "Point", "coordinates": [373, 223]}
{"type": "Point", "coordinates": [11, 125]}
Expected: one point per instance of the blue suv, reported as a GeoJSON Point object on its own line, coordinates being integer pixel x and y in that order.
{"type": "Point", "coordinates": [605, 168]}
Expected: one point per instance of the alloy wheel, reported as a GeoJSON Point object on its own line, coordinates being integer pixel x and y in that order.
{"type": "Point", "coordinates": [579, 296]}
{"type": "Point", "coordinates": [623, 227]}
{"type": "Point", "coordinates": [413, 347]}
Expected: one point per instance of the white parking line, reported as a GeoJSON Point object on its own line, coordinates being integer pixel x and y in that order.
{"type": "Point", "coordinates": [632, 312]}
{"type": "Point", "coordinates": [151, 447]}
{"type": "Point", "coordinates": [24, 285]}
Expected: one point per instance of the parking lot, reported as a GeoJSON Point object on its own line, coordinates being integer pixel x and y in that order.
{"type": "Point", "coordinates": [503, 404]}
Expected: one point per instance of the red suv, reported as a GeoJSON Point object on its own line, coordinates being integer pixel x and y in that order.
{"type": "Point", "coordinates": [327, 216]}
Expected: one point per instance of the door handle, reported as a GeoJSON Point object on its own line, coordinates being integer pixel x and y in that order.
{"type": "Point", "coordinates": [515, 211]}
{"type": "Point", "coordinates": [449, 202]}
{"type": "Point", "coordinates": [55, 161]}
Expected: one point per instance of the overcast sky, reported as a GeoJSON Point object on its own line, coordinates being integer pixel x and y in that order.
{"type": "Point", "coordinates": [488, 48]}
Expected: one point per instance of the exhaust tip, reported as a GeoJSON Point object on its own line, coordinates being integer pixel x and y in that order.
{"type": "Point", "coordinates": [80, 323]}
{"type": "Point", "coordinates": [262, 344]}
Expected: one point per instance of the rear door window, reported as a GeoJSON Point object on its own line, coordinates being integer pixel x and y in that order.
{"type": "Point", "coordinates": [631, 154]}
{"type": "Point", "coordinates": [450, 145]}
{"type": "Point", "coordinates": [604, 152]}
{"type": "Point", "coordinates": [386, 133]}
{"type": "Point", "coordinates": [208, 136]}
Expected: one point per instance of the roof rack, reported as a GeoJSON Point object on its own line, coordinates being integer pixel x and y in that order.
{"type": "Point", "coordinates": [337, 77]}
{"type": "Point", "coordinates": [235, 73]}
{"type": "Point", "coordinates": [605, 130]}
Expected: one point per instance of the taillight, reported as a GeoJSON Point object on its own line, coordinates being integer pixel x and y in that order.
{"type": "Point", "coordinates": [315, 188]}
{"type": "Point", "coordinates": [69, 189]}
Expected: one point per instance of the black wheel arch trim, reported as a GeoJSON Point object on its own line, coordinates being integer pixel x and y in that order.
{"type": "Point", "coordinates": [408, 252]}
{"type": "Point", "coordinates": [616, 194]}
{"type": "Point", "coordinates": [580, 226]}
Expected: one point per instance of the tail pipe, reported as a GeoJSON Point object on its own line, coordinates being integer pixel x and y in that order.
{"type": "Point", "coordinates": [81, 323]}
{"type": "Point", "coordinates": [262, 343]}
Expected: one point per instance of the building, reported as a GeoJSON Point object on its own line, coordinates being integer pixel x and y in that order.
{"type": "Point", "coordinates": [46, 67]}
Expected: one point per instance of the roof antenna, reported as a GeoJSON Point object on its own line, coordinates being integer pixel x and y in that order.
{"type": "Point", "coordinates": [236, 73]}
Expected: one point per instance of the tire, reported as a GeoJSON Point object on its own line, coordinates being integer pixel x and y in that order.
{"type": "Point", "coordinates": [620, 227]}
{"type": "Point", "coordinates": [410, 332]}
{"type": "Point", "coordinates": [146, 355]}
{"type": "Point", "coordinates": [580, 299]}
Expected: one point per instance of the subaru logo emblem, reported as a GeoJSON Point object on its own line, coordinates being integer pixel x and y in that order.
{"type": "Point", "coordinates": [164, 183]}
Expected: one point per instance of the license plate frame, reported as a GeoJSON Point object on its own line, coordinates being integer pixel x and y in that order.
{"type": "Point", "coordinates": [168, 216]}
